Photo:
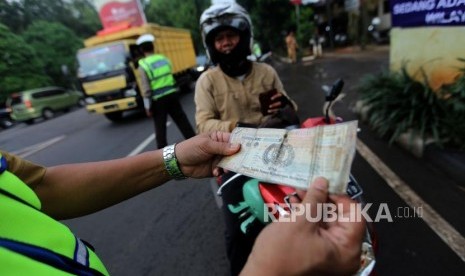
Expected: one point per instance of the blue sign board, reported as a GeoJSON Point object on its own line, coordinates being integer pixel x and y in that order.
{"type": "Point", "coordinates": [414, 13]}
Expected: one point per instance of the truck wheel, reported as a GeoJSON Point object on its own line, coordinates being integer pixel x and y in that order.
{"type": "Point", "coordinates": [114, 116]}
{"type": "Point", "coordinates": [47, 114]}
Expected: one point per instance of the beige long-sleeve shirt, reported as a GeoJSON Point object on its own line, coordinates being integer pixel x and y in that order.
{"type": "Point", "coordinates": [222, 101]}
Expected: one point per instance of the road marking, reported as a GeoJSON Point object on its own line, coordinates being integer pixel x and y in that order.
{"type": "Point", "coordinates": [439, 225]}
{"type": "Point", "coordinates": [25, 152]}
{"type": "Point", "coordinates": [142, 145]}
{"type": "Point", "coordinates": [145, 143]}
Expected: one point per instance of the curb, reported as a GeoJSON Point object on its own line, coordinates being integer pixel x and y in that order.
{"type": "Point", "coordinates": [451, 162]}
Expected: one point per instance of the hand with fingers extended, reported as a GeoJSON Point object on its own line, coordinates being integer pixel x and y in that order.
{"type": "Point", "coordinates": [306, 247]}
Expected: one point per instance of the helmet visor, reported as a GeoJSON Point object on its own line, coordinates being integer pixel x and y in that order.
{"type": "Point", "coordinates": [233, 21]}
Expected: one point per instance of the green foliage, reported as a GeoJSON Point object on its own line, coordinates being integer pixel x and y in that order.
{"type": "Point", "coordinates": [55, 46]}
{"type": "Point", "coordinates": [397, 104]}
{"type": "Point", "coordinates": [454, 120]}
{"type": "Point", "coordinates": [10, 15]}
{"type": "Point", "coordinates": [80, 16]}
{"type": "Point", "coordinates": [306, 27]}
{"type": "Point", "coordinates": [85, 21]}
{"type": "Point", "coordinates": [20, 68]}
{"type": "Point", "coordinates": [180, 14]}
{"type": "Point", "coordinates": [271, 19]}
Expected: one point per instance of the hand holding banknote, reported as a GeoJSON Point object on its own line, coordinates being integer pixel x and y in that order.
{"type": "Point", "coordinates": [295, 157]}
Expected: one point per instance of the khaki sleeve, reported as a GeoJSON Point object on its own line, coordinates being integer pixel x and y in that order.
{"type": "Point", "coordinates": [30, 173]}
{"type": "Point", "coordinates": [207, 117]}
{"type": "Point", "coordinates": [144, 83]}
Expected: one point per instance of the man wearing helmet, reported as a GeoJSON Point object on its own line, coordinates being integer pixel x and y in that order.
{"type": "Point", "coordinates": [159, 88]}
{"type": "Point", "coordinates": [236, 92]}
{"type": "Point", "coordinates": [228, 94]}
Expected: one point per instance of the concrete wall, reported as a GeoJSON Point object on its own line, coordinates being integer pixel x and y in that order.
{"type": "Point", "coordinates": [436, 49]}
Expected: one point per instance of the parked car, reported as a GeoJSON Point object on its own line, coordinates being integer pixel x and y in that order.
{"type": "Point", "coordinates": [26, 106]}
{"type": "Point", "coordinates": [5, 119]}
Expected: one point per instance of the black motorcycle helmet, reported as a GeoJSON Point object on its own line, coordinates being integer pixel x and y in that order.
{"type": "Point", "coordinates": [223, 16]}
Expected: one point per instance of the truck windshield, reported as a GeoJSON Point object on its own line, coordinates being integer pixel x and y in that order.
{"type": "Point", "coordinates": [101, 59]}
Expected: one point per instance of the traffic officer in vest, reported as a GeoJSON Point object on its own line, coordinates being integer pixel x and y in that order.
{"type": "Point", "coordinates": [33, 198]}
{"type": "Point", "coordinates": [160, 92]}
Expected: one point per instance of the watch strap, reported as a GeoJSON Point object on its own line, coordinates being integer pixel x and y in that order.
{"type": "Point", "coordinates": [171, 162]}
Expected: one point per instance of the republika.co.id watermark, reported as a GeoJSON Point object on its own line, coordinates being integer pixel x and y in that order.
{"type": "Point", "coordinates": [331, 212]}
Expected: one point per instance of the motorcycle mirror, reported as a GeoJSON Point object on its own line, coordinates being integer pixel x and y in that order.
{"type": "Point", "coordinates": [326, 88]}
{"type": "Point", "coordinates": [332, 94]}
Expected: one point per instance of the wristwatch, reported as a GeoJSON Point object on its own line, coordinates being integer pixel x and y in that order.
{"type": "Point", "coordinates": [171, 163]}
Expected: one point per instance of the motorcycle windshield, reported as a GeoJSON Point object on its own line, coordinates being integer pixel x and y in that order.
{"type": "Point", "coordinates": [101, 60]}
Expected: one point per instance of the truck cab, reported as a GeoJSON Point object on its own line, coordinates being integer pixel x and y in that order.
{"type": "Point", "coordinates": [108, 67]}
{"type": "Point", "coordinates": [107, 75]}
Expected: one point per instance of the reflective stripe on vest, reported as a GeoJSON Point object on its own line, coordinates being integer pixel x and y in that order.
{"type": "Point", "coordinates": [26, 231]}
{"type": "Point", "coordinates": [158, 70]}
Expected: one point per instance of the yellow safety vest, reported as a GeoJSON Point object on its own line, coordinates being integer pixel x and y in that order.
{"type": "Point", "coordinates": [158, 70]}
{"type": "Point", "coordinates": [31, 242]}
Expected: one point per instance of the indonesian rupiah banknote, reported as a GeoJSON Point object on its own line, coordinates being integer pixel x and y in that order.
{"type": "Point", "coordinates": [295, 157]}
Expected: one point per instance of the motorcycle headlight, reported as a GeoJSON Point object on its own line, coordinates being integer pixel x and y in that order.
{"type": "Point", "coordinates": [130, 93]}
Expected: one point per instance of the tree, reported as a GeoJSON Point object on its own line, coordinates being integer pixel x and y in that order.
{"type": "Point", "coordinates": [85, 21]}
{"type": "Point", "coordinates": [270, 18]}
{"type": "Point", "coordinates": [56, 46]}
{"type": "Point", "coordinates": [19, 66]}
{"type": "Point", "coordinates": [80, 16]}
{"type": "Point", "coordinates": [306, 27]}
{"type": "Point", "coordinates": [180, 14]}
{"type": "Point", "coordinates": [11, 15]}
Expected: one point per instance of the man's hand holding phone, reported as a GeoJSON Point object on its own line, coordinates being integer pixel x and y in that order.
{"type": "Point", "coordinates": [271, 101]}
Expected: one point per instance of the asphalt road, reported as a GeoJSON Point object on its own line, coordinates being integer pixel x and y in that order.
{"type": "Point", "coordinates": [177, 229]}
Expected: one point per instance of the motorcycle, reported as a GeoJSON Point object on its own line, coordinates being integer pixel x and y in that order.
{"type": "Point", "coordinates": [258, 196]}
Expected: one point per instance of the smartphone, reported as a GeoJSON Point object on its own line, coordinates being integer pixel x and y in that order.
{"type": "Point", "coordinates": [265, 100]}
